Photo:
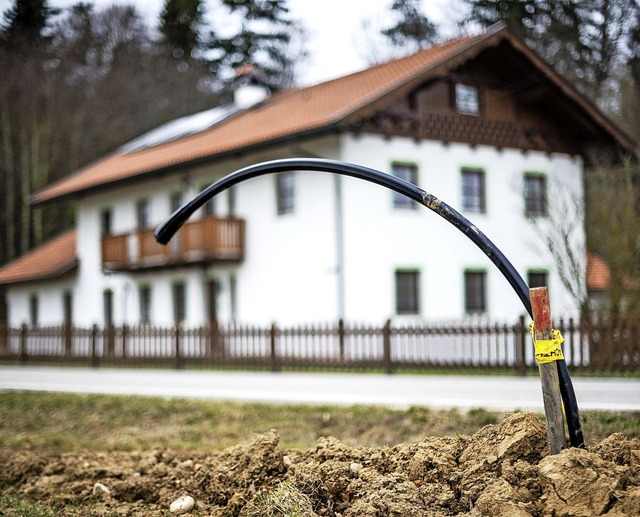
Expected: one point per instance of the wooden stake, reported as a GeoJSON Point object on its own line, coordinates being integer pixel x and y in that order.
{"type": "Point", "coordinates": [548, 372]}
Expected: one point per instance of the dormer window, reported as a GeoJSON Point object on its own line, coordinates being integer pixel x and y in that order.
{"type": "Point", "coordinates": [467, 99]}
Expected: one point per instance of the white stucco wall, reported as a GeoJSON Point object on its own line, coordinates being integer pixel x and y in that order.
{"type": "Point", "coordinates": [291, 270]}
{"type": "Point", "coordinates": [384, 238]}
{"type": "Point", "coordinates": [50, 301]}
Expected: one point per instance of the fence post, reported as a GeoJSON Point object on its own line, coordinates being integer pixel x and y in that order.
{"type": "Point", "coordinates": [386, 347]}
{"type": "Point", "coordinates": [341, 339]}
{"type": "Point", "coordinates": [67, 338]}
{"type": "Point", "coordinates": [111, 341]}
{"type": "Point", "coordinates": [125, 335]}
{"type": "Point", "coordinates": [214, 338]}
{"type": "Point", "coordinates": [521, 336]}
{"type": "Point", "coordinates": [23, 343]}
{"type": "Point", "coordinates": [572, 343]}
{"type": "Point", "coordinates": [178, 356]}
{"type": "Point", "coordinates": [272, 343]}
{"type": "Point", "coordinates": [548, 371]}
{"type": "Point", "coordinates": [94, 341]}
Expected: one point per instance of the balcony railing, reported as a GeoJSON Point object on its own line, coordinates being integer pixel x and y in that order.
{"type": "Point", "coordinates": [202, 241]}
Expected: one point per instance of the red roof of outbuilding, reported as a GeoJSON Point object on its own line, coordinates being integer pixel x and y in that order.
{"type": "Point", "coordinates": [598, 273]}
{"type": "Point", "coordinates": [50, 260]}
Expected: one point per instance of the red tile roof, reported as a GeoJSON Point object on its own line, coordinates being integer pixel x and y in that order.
{"type": "Point", "coordinates": [598, 273]}
{"type": "Point", "coordinates": [324, 107]}
{"type": "Point", "coordinates": [50, 260]}
{"type": "Point", "coordinates": [294, 112]}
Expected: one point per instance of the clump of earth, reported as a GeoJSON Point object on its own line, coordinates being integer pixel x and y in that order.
{"type": "Point", "coordinates": [502, 469]}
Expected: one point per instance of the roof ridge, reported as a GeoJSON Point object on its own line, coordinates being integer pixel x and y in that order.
{"type": "Point", "coordinates": [393, 61]}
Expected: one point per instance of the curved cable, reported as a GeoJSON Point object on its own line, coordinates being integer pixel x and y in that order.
{"type": "Point", "coordinates": [165, 231]}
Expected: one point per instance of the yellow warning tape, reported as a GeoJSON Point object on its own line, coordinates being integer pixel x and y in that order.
{"type": "Point", "coordinates": [547, 350]}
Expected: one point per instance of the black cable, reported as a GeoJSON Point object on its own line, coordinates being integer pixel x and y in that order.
{"type": "Point", "coordinates": [172, 224]}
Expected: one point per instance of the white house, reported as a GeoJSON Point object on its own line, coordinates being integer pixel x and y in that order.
{"type": "Point", "coordinates": [481, 122]}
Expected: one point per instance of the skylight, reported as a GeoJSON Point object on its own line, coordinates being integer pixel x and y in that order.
{"type": "Point", "coordinates": [180, 128]}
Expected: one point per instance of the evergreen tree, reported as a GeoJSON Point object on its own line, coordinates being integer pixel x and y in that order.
{"type": "Point", "coordinates": [263, 37]}
{"type": "Point", "coordinates": [24, 121]}
{"type": "Point", "coordinates": [634, 42]}
{"type": "Point", "coordinates": [77, 85]}
{"type": "Point", "coordinates": [26, 22]}
{"type": "Point", "coordinates": [413, 30]}
{"type": "Point", "coordinates": [180, 24]}
{"type": "Point", "coordinates": [583, 40]}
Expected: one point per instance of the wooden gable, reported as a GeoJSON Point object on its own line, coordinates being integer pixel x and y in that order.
{"type": "Point", "coordinates": [518, 107]}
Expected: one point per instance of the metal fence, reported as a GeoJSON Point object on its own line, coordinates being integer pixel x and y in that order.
{"type": "Point", "coordinates": [597, 344]}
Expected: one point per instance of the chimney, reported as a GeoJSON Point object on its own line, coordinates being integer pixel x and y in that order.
{"type": "Point", "coordinates": [249, 89]}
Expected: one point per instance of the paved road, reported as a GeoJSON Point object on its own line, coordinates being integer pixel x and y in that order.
{"type": "Point", "coordinates": [499, 393]}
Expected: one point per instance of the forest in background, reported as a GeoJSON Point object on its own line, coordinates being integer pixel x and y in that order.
{"type": "Point", "coordinates": [79, 82]}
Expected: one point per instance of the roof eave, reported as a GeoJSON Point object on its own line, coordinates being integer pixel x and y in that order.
{"type": "Point", "coordinates": [610, 127]}
{"type": "Point", "coordinates": [490, 38]}
{"type": "Point", "coordinates": [37, 200]}
{"type": "Point", "coordinates": [58, 274]}
{"type": "Point", "coordinates": [437, 70]}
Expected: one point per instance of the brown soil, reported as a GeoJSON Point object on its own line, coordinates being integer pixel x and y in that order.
{"type": "Point", "coordinates": [502, 469]}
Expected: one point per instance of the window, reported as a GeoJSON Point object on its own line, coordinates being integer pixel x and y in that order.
{"type": "Point", "coordinates": [105, 222]}
{"type": "Point", "coordinates": [176, 201]}
{"type": "Point", "coordinates": [175, 244]}
{"type": "Point", "coordinates": [107, 300]}
{"type": "Point", "coordinates": [467, 99]}
{"type": "Point", "coordinates": [209, 208]}
{"type": "Point", "coordinates": [535, 195]}
{"type": "Point", "coordinates": [145, 304]}
{"type": "Point", "coordinates": [537, 278]}
{"type": "Point", "coordinates": [475, 292]}
{"type": "Point", "coordinates": [407, 292]}
{"type": "Point", "coordinates": [179, 302]}
{"type": "Point", "coordinates": [285, 192]}
{"type": "Point", "coordinates": [408, 173]}
{"type": "Point", "coordinates": [142, 214]}
{"type": "Point", "coordinates": [473, 191]}
{"type": "Point", "coordinates": [33, 310]}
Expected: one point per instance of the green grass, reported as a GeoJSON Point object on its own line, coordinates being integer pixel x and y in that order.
{"type": "Point", "coordinates": [66, 423]}
{"type": "Point", "coordinates": [74, 423]}
{"type": "Point", "coordinates": [14, 507]}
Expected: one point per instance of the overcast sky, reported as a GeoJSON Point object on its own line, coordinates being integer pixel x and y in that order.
{"type": "Point", "coordinates": [336, 43]}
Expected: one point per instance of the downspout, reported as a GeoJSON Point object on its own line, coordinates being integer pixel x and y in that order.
{"type": "Point", "coordinates": [339, 221]}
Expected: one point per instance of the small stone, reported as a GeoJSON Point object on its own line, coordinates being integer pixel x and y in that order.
{"type": "Point", "coordinates": [187, 464]}
{"type": "Point", "coordinates": [100, 489]}
{"type": "Point", "coordinates": [182, 505]}
{"type": "Point", "coordinates": [491, 459]}
{"type": "Point", "coordinates": [355, 468]}
{"type": "Point", "coordinates": [287, 461]}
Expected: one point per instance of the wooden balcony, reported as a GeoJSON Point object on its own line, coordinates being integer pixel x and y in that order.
{"type": "Point", "coordinates": [198, 242]}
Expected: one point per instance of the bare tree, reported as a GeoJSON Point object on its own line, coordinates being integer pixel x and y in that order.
{"type": "Point", "coordinates": [613, 223]}
{"type": "Point", "coordinates": [560, 236]}
{"type": "Point", "coordinates": [610, 210]}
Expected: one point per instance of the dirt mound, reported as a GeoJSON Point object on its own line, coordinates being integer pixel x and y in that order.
{"type": "Point", "coordinates": [502, 469]}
